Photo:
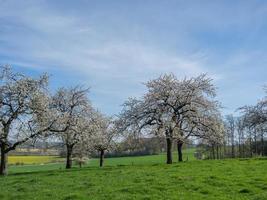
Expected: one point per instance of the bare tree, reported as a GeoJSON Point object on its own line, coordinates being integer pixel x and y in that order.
{"type": "Point", "coordinates": [240, 133]}
{"type": "Point", "coordinates": [230, 127]}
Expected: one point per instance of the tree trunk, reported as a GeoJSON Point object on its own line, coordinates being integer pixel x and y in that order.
{"type": "Point", "coordinates": [243, 145]}
{"type": "Point", "coordinates": [233, 150]}
{"type": "Point", "coordinates": [69, 155]}
{"type": "Point", "coordinates": [243, 150]}
{"type": "Point", "coordinates": [3, 165]}
{"type": "Point", "coordinates": [250, 145]}
{"type": "Point", "coordinates": [169, 150]}
{"type": "Point", "coordinates": [262, 144]}
{"type": "Point", "coordinates": [239, 145]}
{"type": "Point", "coordinates": [221, 156]}
{"type": "Point", "coordinates": [101, 158]}
{"type": "Point", "coordinates": [217, 151]}
{"type": "Point", "coordinates": [224, 150]}
{"type": "Point", "coordinates": [179, 149]}
{"type": "Point", "coordinates": [255, 141]}
{"type": "Point", "coordinates": [213, 152]}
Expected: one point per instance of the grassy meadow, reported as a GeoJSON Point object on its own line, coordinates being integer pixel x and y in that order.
{"type": "Point", "coordinates": [145, 177]}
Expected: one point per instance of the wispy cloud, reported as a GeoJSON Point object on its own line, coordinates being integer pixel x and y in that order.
{"type": "Point", "coordinates": [116, 46]}
{"type": "Point", "coordinates": [57, 39]}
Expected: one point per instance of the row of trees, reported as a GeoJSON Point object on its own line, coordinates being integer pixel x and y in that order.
{"type": "Point", "coordinates": [245, 135]}
{"type": "Point", "coordinates": [252, 127]}
{"type": "Point", "coordinates": [28, 111]}
{"type": "Point", "coordinates": [173, 109]}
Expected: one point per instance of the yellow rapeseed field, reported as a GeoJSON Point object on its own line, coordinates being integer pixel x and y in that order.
{"type": "Point", "coordinates": [33, 159]}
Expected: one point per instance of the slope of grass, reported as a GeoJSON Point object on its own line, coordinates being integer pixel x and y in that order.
{"type": "Point", "coordinates": [211, 179]}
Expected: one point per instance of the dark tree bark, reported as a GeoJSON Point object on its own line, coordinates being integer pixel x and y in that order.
{"type": "Point", "coordinates": [179, 149]}
{"type": "Point", "coordinates": [240, 144]}
{"type": "Point", "coordinates": [102, 152]}
{"type": "Point", "coordinates": [80, 163]}
{"type": "Point", "coordinates": [243, 145]}
{"type": "Point", "coordinates": [243, 150]}
{"type": "Point", "coordinates": [169, 150]}
{"type": "Point", "coordinates": [250, 145]}
{"type": "Point", "coordinates": [255, 142]}
{"type": "Point", "coordinates": [233, 149]}
{"type": "Point", "coordinates": [69, 157]}
{"type": "Point", "coordinates": [217, 151]}
{"type": "Point", "coordinates": [262, 144]}
{"type": "Point", "coordinates": [3, 165]}
{"type": "Point", "coordinates": [224, 150]}
{"type": "Point", "coordinates": [213, 151]}
{"type": "Point", "coordinates": [221, 153]}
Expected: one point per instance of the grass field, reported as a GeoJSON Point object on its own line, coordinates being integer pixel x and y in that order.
{"type": "Point", "coordinates": [144, 177]}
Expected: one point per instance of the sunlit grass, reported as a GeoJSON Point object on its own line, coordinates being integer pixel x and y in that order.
{"type": "Point", "coordinates": [142, 177]}
{"type": "Point", "coordinates": [207, 179]}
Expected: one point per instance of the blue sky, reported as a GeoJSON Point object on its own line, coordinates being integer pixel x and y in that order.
{"type": "Point", "coordinates": [114, 46]}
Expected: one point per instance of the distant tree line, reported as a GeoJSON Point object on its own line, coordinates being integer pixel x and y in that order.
{"type": "Point", "coordinates": [137, 147]}
{"type": "Point", "coordinates": [244, 136]}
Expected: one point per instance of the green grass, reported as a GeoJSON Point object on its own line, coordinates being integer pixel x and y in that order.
{"type": "Point", "coordinates": [144, 177]}
{"type": "Point", "coordinates": [188, 154]}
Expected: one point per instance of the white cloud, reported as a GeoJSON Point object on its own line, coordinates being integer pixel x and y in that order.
{"type": "Point", "coordinates": [117, 55]}
{"type": "Point", "coordinates": [36, 37]}
{"type": "Point", "coordinates": [50, 38]}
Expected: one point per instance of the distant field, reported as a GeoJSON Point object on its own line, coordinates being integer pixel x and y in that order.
{"type": "Point", "coordinates": [142, 160]}
{"type": "Point", "coordinates": [33, 159]}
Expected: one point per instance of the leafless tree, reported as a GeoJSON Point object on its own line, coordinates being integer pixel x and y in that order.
{"type": "Point", "coordinates": [230, 128]}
